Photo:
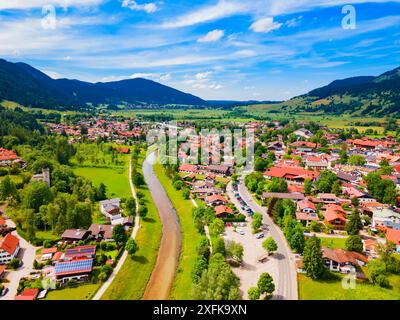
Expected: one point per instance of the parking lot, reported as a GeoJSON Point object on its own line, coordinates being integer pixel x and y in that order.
{"type": "Point", "coordinates": [251, 269]}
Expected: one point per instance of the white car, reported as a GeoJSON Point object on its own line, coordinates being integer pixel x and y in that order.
{"type": "Point", "coordinates": [260, 235]}
{"type": "Point", "coordinates": [240, 231]}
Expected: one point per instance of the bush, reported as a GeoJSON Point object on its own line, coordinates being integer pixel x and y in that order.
{"type": "Point", "coordinates": [143, 211]}
{"type": "Point", "coordinates": [315, 226]}
{"type": "Point", "coordinates": [382, 281]}
{"type": "Point", "coordinates": [235, 218]}
{"type": "Point", "coordinates": [14, 264]}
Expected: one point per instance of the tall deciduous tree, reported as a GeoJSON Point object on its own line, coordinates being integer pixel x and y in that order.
{"type": "Point", "coordinates": [312, 258]}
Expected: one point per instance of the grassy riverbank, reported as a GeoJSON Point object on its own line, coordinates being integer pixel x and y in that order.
{"type": "Point", "coordinates": [181, 289]}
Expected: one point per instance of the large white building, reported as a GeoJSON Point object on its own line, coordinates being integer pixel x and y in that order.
{"type": "Point", "coordinates": [9, 248]}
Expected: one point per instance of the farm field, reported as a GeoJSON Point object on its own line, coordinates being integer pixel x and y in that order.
{"type": "Point", "coordinates": [181, 289]}
{"type": "Point", "coordinates": [333, 290]}
{"type": "Point", "coordinates": [131, 281]}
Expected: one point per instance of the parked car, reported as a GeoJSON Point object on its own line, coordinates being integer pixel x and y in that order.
{"type": "Point", "coordinates": [260, 235]}
{"type": "Point", "coordinates": [240, 231]}
{"type": "Point", "coordinates": [4, 292]}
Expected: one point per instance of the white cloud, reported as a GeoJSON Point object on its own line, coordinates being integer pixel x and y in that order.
{"type": "Point", "coordinates": [294, 22]}
{"type": "Point", "coordinates": [265, 25]}
{"type": "Point", "coordinates": [133, 5]}
{"type": "Point", "coordinates": [220, 10]}
{"type": "Point", "coordinates": [212, 36]}
{"type": "Point", "coordinates": [203, 75]}
{"type": "Point", "coordinates": [202, 80]}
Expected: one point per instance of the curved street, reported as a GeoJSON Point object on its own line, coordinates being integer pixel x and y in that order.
{"type": "Point", "coordinates": [286, 282]}
{"type": "Point", "coordinates": [162, 277]}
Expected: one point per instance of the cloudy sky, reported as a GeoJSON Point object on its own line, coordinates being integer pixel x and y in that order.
{"type": "Point", "coordinates": [216, 49]}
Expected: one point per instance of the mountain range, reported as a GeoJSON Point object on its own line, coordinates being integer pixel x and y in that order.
{"type": "Point", "coordinates": [21, 83]}
{"type": "Point", "coordinates": [358, 96]}
{"type": "Point", "coordinates": [366, 95]}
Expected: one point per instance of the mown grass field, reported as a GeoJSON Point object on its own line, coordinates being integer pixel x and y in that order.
{"type": "Point", "coordinates": [181, 288]}
{"type": "Point", "coordinates": [115, 179]}
{"type": "Point", "coordinates": [83, 292]}
{"type": "Point", "coordinates": [333, 290]}
{"type": "Point", "coordinates": [333, 243]}
{"type": "Point", "coordinates": [131, 281]}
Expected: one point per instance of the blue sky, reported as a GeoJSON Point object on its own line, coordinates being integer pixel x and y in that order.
{"type": "Point", "coordinates": [216, 49]}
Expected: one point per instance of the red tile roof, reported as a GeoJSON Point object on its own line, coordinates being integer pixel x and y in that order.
{"type": "Point", "coordinates": [307, 216]}
{"type": "Point", "coordinates": [216, 197]}
{"type": "Point", "coordinates": [343, 256]}
{"type": "Point", "coordinates": [6, 155]}
{"type": "Point", "coordinates": [393, 235]}
{"type": "Point", "coordinates": [57, 256]}
{"type": "Point", "coordinates": [28, 294]}
{"type": "Point", "coordinates": [49, 250]}
{"type": "Point", "coordinates": [291, 172]}
{"type": "Point", "coordinates": [2, 221]}
{"type": "Point", "coordinates": [332, 215]}
{"type": "Point", "coordinates": [222, 209]}
{"type": "Point", "coordinates": [306, 204]}
{"type": "Point", "coordinates": [9, 243]}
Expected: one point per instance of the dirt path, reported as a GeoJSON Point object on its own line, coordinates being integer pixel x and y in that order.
{"type": "Point", "coordinates": [121, 261]}
{"type": "Point", "coordinates": [162, 277]}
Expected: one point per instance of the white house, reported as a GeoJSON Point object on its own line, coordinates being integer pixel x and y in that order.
{"type": "Point", "coordinates": [384, 217]}
{"type": "Point", "coordinates": [111, 209]}
{"type": "Point", "coordinates": [9, 248]}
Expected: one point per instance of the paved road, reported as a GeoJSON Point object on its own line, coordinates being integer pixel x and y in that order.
{"type": "Point", "coordinates": [121, 261]}
{"type": "Point", "coordinates": [162, 277]}
{"type": "Point", "coordinates": [286, 286]}
{"type": "Point", "coordinates": [27, 255]}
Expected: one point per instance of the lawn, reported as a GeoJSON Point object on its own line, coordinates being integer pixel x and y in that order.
{"type": "Point", "coordinates": [47, 235]}
{"type": "Point", "coordinates": [333, 243]}
{"type": "Point", "coordinates": [83, 292]}
{"type": "Point", "coordinates": [333, 290]}
{"type": "Point", "coordinates": [115, 179]}
{"type": "Point", "coordinates": [182, 285]}
{"type": "Point", "coordinates": [131, 281]}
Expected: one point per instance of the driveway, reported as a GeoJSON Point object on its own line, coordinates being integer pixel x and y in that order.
{"type": "Point", "coordinates": [27, 256]}
{"type": "Point", "coordinates": [284, 272]}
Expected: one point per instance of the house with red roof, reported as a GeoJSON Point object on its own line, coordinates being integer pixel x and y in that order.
{"type": "Point", "coordinates": [216, 200]}
{"type": "Point", "coordinates": [306, 206]}
{"type": "Point", "coordinates": [7, 157]}
{"type": "Point", "coordinates": [2, 222]}
{"type": "Point", "coordinates": [334, 218]}
{"type": "Point", "coordinates": [340, 260]}
{"type": "Point", "coordinates": [28, 294]}
{"type": "Point", "coordinates": [222, 211]}
{"type": "Point", "coordinates": [295, 174]}
{"type": "Point", "coordinates": [9, 248]}
{"type": "Point", "coordinates": [393, 235]}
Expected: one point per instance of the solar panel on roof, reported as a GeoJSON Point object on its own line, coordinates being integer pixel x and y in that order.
{"type": "Point", "coordinates": [74, 266]}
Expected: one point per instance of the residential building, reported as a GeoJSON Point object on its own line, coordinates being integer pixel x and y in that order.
{"type": "Point", "coordinates": [111, 209]}
{"type": "Point", "coordinates": [340, 260]}
{"type": "Point", "coordinates": [380, 218]}
{"type": "Point", "coordinates": [9, 248]}
{"type": "Point", "coordinates": [72, 235]}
